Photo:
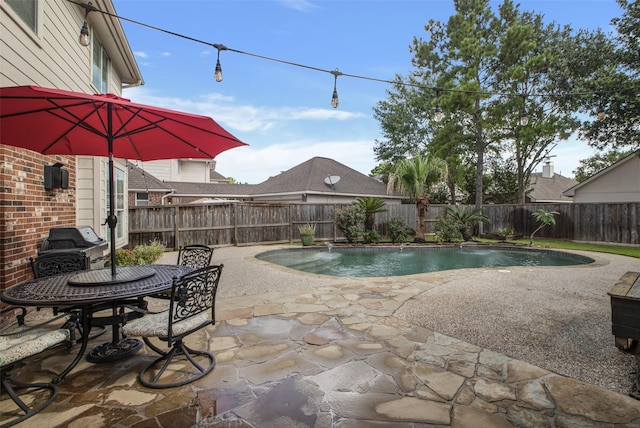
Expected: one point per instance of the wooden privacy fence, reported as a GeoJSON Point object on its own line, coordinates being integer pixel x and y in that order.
{"type": "Point", "coordinates": [243, 223]}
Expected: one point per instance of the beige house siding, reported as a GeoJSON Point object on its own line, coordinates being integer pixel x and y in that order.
{"type": "Point", "coordinates": [164, 170]}
{"type": "Point", "coordinates": [618, 184]}
{"type": "Point", "coordinates": [51, 57]}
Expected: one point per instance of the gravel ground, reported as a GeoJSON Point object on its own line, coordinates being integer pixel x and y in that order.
{"type": "Point", "coordinates": [557, 318]}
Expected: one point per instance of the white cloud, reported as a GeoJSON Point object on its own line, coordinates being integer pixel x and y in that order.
{"type": "Point", "coordinates": [141, 54]}
{"type": "Point", "coordinates": [255, 165]}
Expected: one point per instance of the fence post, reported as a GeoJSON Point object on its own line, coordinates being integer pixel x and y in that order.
{"type": "Point", "coordinates": [235, 224]}
{"type": "Point", "coordinates": [290, 223]}
{"type": "Point", "coordinates": [176, 225]}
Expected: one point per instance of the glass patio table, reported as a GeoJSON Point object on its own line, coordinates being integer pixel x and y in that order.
{"type": "Point", "coordinates": [89, 293]}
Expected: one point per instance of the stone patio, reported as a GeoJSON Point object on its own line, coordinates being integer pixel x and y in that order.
{"type": "Point", "coordinates": [328, 353]}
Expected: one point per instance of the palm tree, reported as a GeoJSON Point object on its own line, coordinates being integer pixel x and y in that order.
{"type": "Point", "coordinates": [371, 205]}
{"type": "Point", "coordinates": [464, 218]}
{"type": "Point", "coordinates": [545, 218]}
{"type": "Point", "coordinates": [415, 178]}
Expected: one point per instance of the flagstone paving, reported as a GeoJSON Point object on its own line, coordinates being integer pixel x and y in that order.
{"type": "Point", "coordinates": [331, 356]}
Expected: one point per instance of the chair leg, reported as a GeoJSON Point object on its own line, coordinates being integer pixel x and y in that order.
{"type": "Point", "coordinates": [178, 349]}
{"type": "Point", "coordinates": [10, 386]}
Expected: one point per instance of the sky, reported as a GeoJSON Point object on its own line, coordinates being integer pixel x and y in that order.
{"type": "Point", "coordinates": [284, 111]}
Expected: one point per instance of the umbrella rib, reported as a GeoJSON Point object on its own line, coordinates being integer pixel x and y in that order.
{"type": "Point", "coordinates": [80, 121]}
{"type": "Point", "coordinates": [157, 124]}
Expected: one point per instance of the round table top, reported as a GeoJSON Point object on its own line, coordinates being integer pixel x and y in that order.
{"type": "Point", "coordinates": [56, 290]}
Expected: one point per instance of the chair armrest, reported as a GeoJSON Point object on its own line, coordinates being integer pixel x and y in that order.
{"type": "Point", "coordinates": [19, 317]}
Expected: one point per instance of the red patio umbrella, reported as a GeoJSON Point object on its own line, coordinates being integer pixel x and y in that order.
{"type": "Point", "coordinates": [59, 122]}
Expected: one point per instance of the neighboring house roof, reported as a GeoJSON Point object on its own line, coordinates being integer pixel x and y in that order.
{"type": "Point", "coordinates": [140, 181]}
{"type": "Point", "coordinates": [601, 173]}
{"type": "Point", "coordinates": [549, 189]}
{"type": "Point", "coordinates": [310, 176]}
{"type": "Point", "coordinates": [210, 189]}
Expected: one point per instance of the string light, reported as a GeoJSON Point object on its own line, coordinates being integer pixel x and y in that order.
{"type": "Point", "coordinates": [437, 111]}
{"type": "Point", "coordinates": [524, 119]}
{"type": "Point", "coordinates": [334, 97]}
{"type": "Point", "coordinates": [438, 114]}
{"type": "Point", "coordinates": [85, 38]}
{"type": "Point", "coordinates": [218, 73]}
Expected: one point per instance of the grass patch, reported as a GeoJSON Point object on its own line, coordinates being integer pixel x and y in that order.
{"type": "Point", "coordinates": [563, 244]}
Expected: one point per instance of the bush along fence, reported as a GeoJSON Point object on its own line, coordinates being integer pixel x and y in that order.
{"type": "Point", "coordinates": [242, 223]}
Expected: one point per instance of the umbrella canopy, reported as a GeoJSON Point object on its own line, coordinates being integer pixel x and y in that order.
{"type": "Point", "coordinates": [59, 122]}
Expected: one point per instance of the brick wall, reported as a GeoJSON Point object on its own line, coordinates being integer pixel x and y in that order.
{"type": "Point", "coordinates": [155, 198]}
{"type": "Point", "coordinates": [27, 210]}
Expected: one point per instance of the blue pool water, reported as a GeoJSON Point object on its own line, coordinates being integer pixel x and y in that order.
{"type": "Point", "coordinates": [397, 261]}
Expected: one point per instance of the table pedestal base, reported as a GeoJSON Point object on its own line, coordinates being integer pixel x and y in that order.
{"type": "Point", "coordinates": [108, 352]}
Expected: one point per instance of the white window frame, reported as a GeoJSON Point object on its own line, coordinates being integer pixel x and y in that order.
{"type": "Point", "coordinates": [119, 183]}
{"type": "Point", "coordinates": [142, 202]}
{"type": "Point", "coordinates": [32, 32]}
{"type": "Point", "coordinates": [100, 66]}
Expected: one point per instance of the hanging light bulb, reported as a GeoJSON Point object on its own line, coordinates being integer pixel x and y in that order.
{"type": "Point", "coordinates": [437, 114]}
{"type": "Point", "coordinates": [600, 112]}
{"type": "Point", "coordinates": [437, 111]}
{"type": "Point", "coordinates": [334, 97]}
{"type": "Point", "coordinates": [524, 118]}
{"type": "Point", "coordinates": [218, 73]}
{"type": "Point", "coordinates": [85, 39]}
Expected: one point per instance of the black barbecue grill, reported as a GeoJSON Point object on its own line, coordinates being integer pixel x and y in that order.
{"type": "Point", "coordinates": [76, 238]}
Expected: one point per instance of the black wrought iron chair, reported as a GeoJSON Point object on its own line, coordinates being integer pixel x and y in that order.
{"type": "Point", "coordinates": [191, 308]}
{"type": "Point", "coordinates": [20, 342]}
{"type": "Point", "coordinates": [196, 256]}
{"type": "Point", "coordinates": [58, 262]}
{"type": "Point", "coordinates": [54, 263]}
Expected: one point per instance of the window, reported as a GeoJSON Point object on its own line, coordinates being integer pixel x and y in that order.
{"type": "Point", "coordinates": [100, 67]}
{"type": "Point", "coordinates": [27, 10]}
{"type": "Point", "coordinates": [142, 199]}
{"type": "Point", "coordinates": [119, 197]}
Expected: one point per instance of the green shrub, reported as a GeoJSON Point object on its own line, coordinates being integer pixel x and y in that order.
{"type": "Point", "coordinates": [371, 237]}
{"type": "Point", "coordinates": [350, 222]}
{"type": "Point", "coordinates": [448, 230]}
{"type": "Point", "coordinates": [398, 230]}
{"type": "Point", "coordinates": [140, 255]}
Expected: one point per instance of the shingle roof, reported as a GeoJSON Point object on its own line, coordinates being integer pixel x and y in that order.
{"type": "Point", "coordinates": [140, 180]}
{"type": "Point", "coordinates": [550, 189]}
{"type": "Point", "coordinates": [309, 177]}
{"type": "Point", "coordinates": [209, 189]}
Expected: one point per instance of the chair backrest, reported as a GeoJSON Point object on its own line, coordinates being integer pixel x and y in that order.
{"type": "Point", "coordinates": [54, 263]}
{"type": "Point", "coordinates": [196, 256]}
{"type": "Point", "coordinates": [193, 294]}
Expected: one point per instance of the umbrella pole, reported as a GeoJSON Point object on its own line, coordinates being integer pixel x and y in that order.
{"type": "Point", "coordinates": [112, 220]}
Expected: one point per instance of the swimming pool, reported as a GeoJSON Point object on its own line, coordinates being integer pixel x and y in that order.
{"type": "Point", "coordinates": [398, 261]}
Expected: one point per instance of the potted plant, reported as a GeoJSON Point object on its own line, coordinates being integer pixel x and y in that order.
{"type": "Point", "coordinates": [505, 234]}
{"type": "Point", "coordinates": [307, 233]}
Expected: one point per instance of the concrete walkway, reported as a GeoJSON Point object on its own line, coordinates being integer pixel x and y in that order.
{"type": "Point", "coordinates": [299, 350]}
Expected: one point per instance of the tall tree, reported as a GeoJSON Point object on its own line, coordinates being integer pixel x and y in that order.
{"type": "Point", "coordinates": [415, 178]}
{"type": "Point", "coordinates": [615, 85]}
{"type": "Point", "coordinates": [484, 71]}
{"type": "Point", "coordinates": [528, 62]}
